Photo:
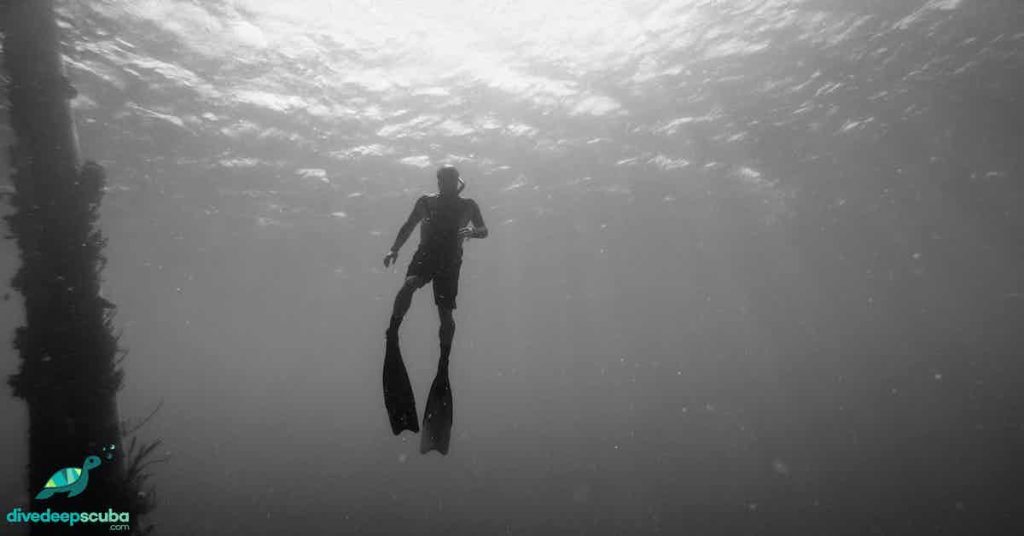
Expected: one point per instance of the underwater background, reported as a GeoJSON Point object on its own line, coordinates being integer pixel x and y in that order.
{"type": "Point", "coordinates": [754, 267]}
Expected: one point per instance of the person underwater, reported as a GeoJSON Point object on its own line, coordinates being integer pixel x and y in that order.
{"type": "Point", "coordinates": [446, 220]}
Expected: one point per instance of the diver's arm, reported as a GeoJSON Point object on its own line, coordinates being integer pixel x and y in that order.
{"type": "Point", "coordinates": [403, 234]}
{"type": "Point", "coordinates": [414, 217]}
{"type": "Point", "coordinates": [479, 228]}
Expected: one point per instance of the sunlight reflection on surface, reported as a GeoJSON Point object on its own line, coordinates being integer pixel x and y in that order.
{"type": "Point", "coordinates": [424, 46]}
{"type": "Point", "coordinates": [398, 85]}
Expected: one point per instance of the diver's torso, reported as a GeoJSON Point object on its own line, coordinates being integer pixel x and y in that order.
{"type": "Point", "coordinates": [442, 219]}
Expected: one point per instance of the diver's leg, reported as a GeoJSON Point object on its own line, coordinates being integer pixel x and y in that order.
{"type": "Point", "coordinates": [403, 300]}
{"type": "Point", "coordinates": [446, 333]}
{"type": "Point", "coordinates": [446, 287]}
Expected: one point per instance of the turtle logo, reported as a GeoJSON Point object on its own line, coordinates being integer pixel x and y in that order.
{"type": "Point", "coordinates": [73, 480]}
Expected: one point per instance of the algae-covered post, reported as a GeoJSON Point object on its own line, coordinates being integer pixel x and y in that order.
{"type": "Point", "coordinates": [68, 372]}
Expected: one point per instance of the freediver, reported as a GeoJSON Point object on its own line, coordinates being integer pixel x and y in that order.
{"type": "Point", "coordinates": [446, 221]}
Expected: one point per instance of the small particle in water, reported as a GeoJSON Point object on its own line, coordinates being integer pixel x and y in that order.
{"type": "Point", "coordinates": [780, 467]}
{"type": "Point", "coordinates": [937, 376]}
{"type": "Point", "coordinates": [752, 507]}
{"type": "Point", "coordinates": [402, 458]}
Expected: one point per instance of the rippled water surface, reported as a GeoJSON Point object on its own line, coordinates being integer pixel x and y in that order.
{"type": "Point", "coordinates": [754, 266]}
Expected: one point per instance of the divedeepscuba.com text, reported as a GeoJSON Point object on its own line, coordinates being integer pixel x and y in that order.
{"type": "Point", "coordinates": [69, 518]}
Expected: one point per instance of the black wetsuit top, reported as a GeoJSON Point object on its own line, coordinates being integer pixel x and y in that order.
{"type": "Point", "coordinates": [439, 255]}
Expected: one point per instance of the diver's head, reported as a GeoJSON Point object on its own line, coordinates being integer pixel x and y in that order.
{"type": "Point", "coordinates": [448, 181]}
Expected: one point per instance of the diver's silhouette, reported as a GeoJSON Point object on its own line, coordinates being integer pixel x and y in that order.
{"type": "Point", "coordinates": [446, 220]}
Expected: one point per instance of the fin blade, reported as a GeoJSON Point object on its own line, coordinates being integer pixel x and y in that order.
{"type": "Point", "coordinates": [399, 399]}
{"type": "Point", "coordinates": [437, 417]}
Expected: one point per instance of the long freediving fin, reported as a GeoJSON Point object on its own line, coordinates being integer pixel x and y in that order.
{"type": "Point", "coordinates": [398, 396]}
{"type": "Point", "coordinates": [437, 416]}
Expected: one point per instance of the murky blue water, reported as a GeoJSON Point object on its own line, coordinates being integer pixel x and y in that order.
{"type": "Point", "coordinates": [753, 265]}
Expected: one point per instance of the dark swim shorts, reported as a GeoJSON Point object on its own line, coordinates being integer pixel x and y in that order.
{"type": "Point", "coordinates": [442, 269]}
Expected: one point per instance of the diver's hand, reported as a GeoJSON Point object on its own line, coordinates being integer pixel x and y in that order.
{"type": "Point", "coordinates": [465, 232]}
{"type": "Point", "coordinates": [390, 258]}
